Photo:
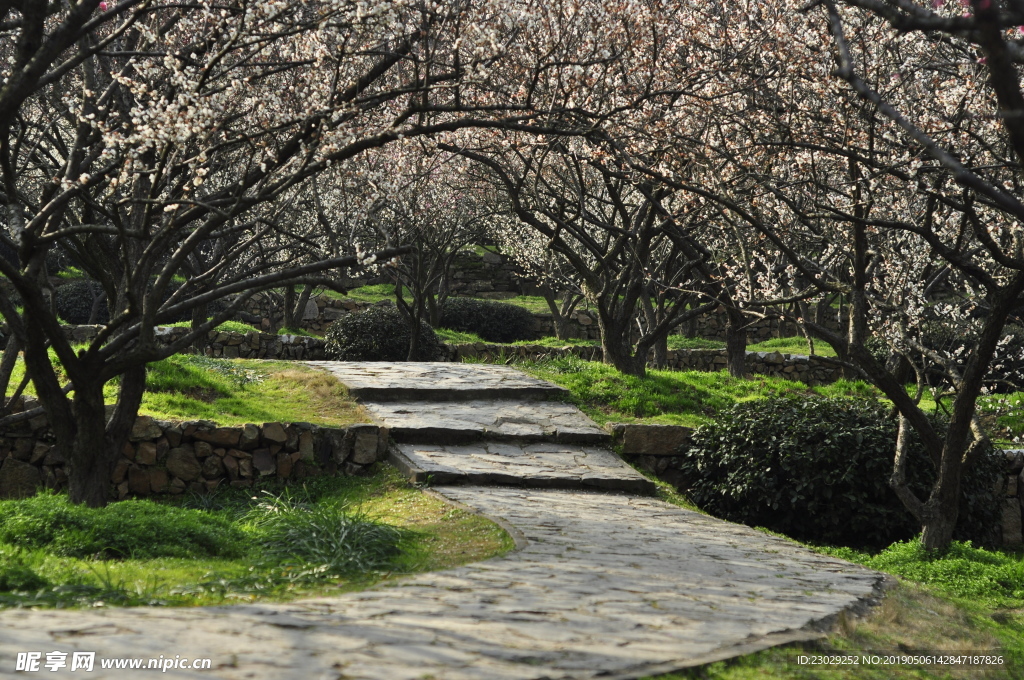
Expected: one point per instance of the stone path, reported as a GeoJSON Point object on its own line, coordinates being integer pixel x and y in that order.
{"type": "Point", "coordinates": [604, 584]}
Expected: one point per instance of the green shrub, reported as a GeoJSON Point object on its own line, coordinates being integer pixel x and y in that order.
{"type": "Point", "coordinates": [379, 334]}
{"type": "Point", "coordinates": [134, 528]}
{"type": "Point", "coordinates": [82, 302]}
{"type": "Point", "coordinates": [492, 321]}
{"type": "Point", "coordinates": [818, 469]}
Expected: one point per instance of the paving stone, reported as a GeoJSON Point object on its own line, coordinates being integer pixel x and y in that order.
{"type": "Point", "coordinates": [610, 585]}
{"type": "Point", "coordinates": [438, 381]}
{"type": "Point", "coordinates": [546, 465]}
{"type": "Point", "coordinates": [450, 422]}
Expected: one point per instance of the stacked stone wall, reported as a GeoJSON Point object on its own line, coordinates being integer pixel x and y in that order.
{"type": "Point", "coordinates": [172, 457]}
{"type": "Point", "coordinates": [227, 344]}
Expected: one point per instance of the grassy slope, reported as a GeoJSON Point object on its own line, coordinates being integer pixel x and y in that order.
{"type": "Point", "coordinates": [433, 535]}
{"type": "Point", "coordinates": [672, 397]}
{"type": "Point", "coordinates": [237, 391]}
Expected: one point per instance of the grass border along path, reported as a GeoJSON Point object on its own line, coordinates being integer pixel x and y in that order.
{"type": "Point", "coordinates": [330, 535]}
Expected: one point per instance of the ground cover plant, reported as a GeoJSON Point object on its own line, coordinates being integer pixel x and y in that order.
{"type": "Point", "coordinates": [238, 391]}
{"type": "Point", "coordinates": [329, 535]}
{"type": "Point", "coordinates": [689, 398]}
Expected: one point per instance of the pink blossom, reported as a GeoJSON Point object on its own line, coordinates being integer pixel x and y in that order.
{"type": "Point", "coordinates": [103, 7]}
{"type": "Point", "coordinates": [938, 3]}
{"type": "Point", "coordinates": [983, 60]}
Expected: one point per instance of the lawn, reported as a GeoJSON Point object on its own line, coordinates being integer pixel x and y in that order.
{"type": "Point", "coordinates": [333, 534]}
{"type": "Point", "coordinates": [672, 397]}
{"type": "Point", "coordinates": [238, 391]}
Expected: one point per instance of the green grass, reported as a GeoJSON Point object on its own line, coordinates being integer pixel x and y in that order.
{"type": "Point", "coordinates": [225, 327]}
{"type": "Point", "coordinates": [238, 391]}
{"type": "Point", "coordinates": [672, 397]}
{"type": "Point", "coordinates": [795, 345]}
{"type": "Point", "coordinates": [682, 342]}
{"type": "Point", "coordinates": [331, 535]}
{"type": "Point", "coordinates": [551, 341]}
{"type": "Point", "coordinates": [375, 293]}
{"type": "Point", "coordinates": [457, 337]}
{"type": "Point", "coordinates": [235, 392]}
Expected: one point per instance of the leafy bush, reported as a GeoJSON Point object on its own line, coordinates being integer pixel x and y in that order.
{"type": "Point", "coordinates": [492, 321]}
{"type": "Point", "coordinates": [135, 528]}
{"type": "Point", "coordinates": [82, 302]}
{"type": "Point", "coordinates": [818, 469]}
{"type": "Point", "coordinates": [378, 334]}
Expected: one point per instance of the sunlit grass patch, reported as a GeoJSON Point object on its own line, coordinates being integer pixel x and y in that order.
{"type": "Point", "coordinates": [672, 397]}
{"type": "Point", "coordinates": [332, 534]}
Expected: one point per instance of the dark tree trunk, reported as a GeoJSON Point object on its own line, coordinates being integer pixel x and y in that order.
{"type": "Point", "coordinates": [617, 350]}
{"type": "Point", "coordinates": [736, 342]}
{"type": "Point", "coordinates": [288, 307]}
{"type": "Point", "coordinates": [200, 315]}
{"type": "Point", "coordinates": [91, 461]}
{"type": "Point", "coordinates": [298, 309]}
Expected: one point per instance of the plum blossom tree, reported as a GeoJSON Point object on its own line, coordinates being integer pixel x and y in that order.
{"type": "Point", "coordinates": [894, 185]}
{"type": "Point", "coordinates": [162, 143]}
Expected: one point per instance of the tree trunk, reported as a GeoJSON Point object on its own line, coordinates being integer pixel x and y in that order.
{"type": "Point", "coordinates": [938, 529]}
{"type": "Point", "coordinates": [200, 315]}
{"type": "Point", "coordinates": [298, 309]}
{"type": "Point", "coordinates": [736, 343]}
{"type": "Point", "coordinates": [91, 461]}
{"type": "Point", "coordinates": [617, 351]}
{"type": "Point", "coordinates": [288, 307]}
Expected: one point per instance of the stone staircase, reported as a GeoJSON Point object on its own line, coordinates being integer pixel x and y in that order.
{"type": "Point", "coordinates": [485, 425]}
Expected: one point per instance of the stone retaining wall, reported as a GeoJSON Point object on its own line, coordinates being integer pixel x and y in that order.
{"type": "Point", "coordinates": [230, 345]}
{"type": "Point", "coordinates": [812, 370]}
{"type": "Point", "coordinates": [170, 457]}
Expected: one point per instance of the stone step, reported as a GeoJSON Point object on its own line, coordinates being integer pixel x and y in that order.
{"type": "Point", "coordinates": [466, 421]}
{"type": "Point", "coordinates": [437, 381]}
{"type": "Point", "coordinates": [544, 464]}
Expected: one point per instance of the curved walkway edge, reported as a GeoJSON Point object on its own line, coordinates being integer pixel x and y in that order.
{"type": "Point", "coordinates": [608, 585]}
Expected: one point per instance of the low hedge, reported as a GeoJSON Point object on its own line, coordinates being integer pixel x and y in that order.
{"type": "Point", "coordinates": [492, 321]}
{"type": "Point", "coordinates": [380, 333]}
{"type": "Point", "coordinates": [818, 469]}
